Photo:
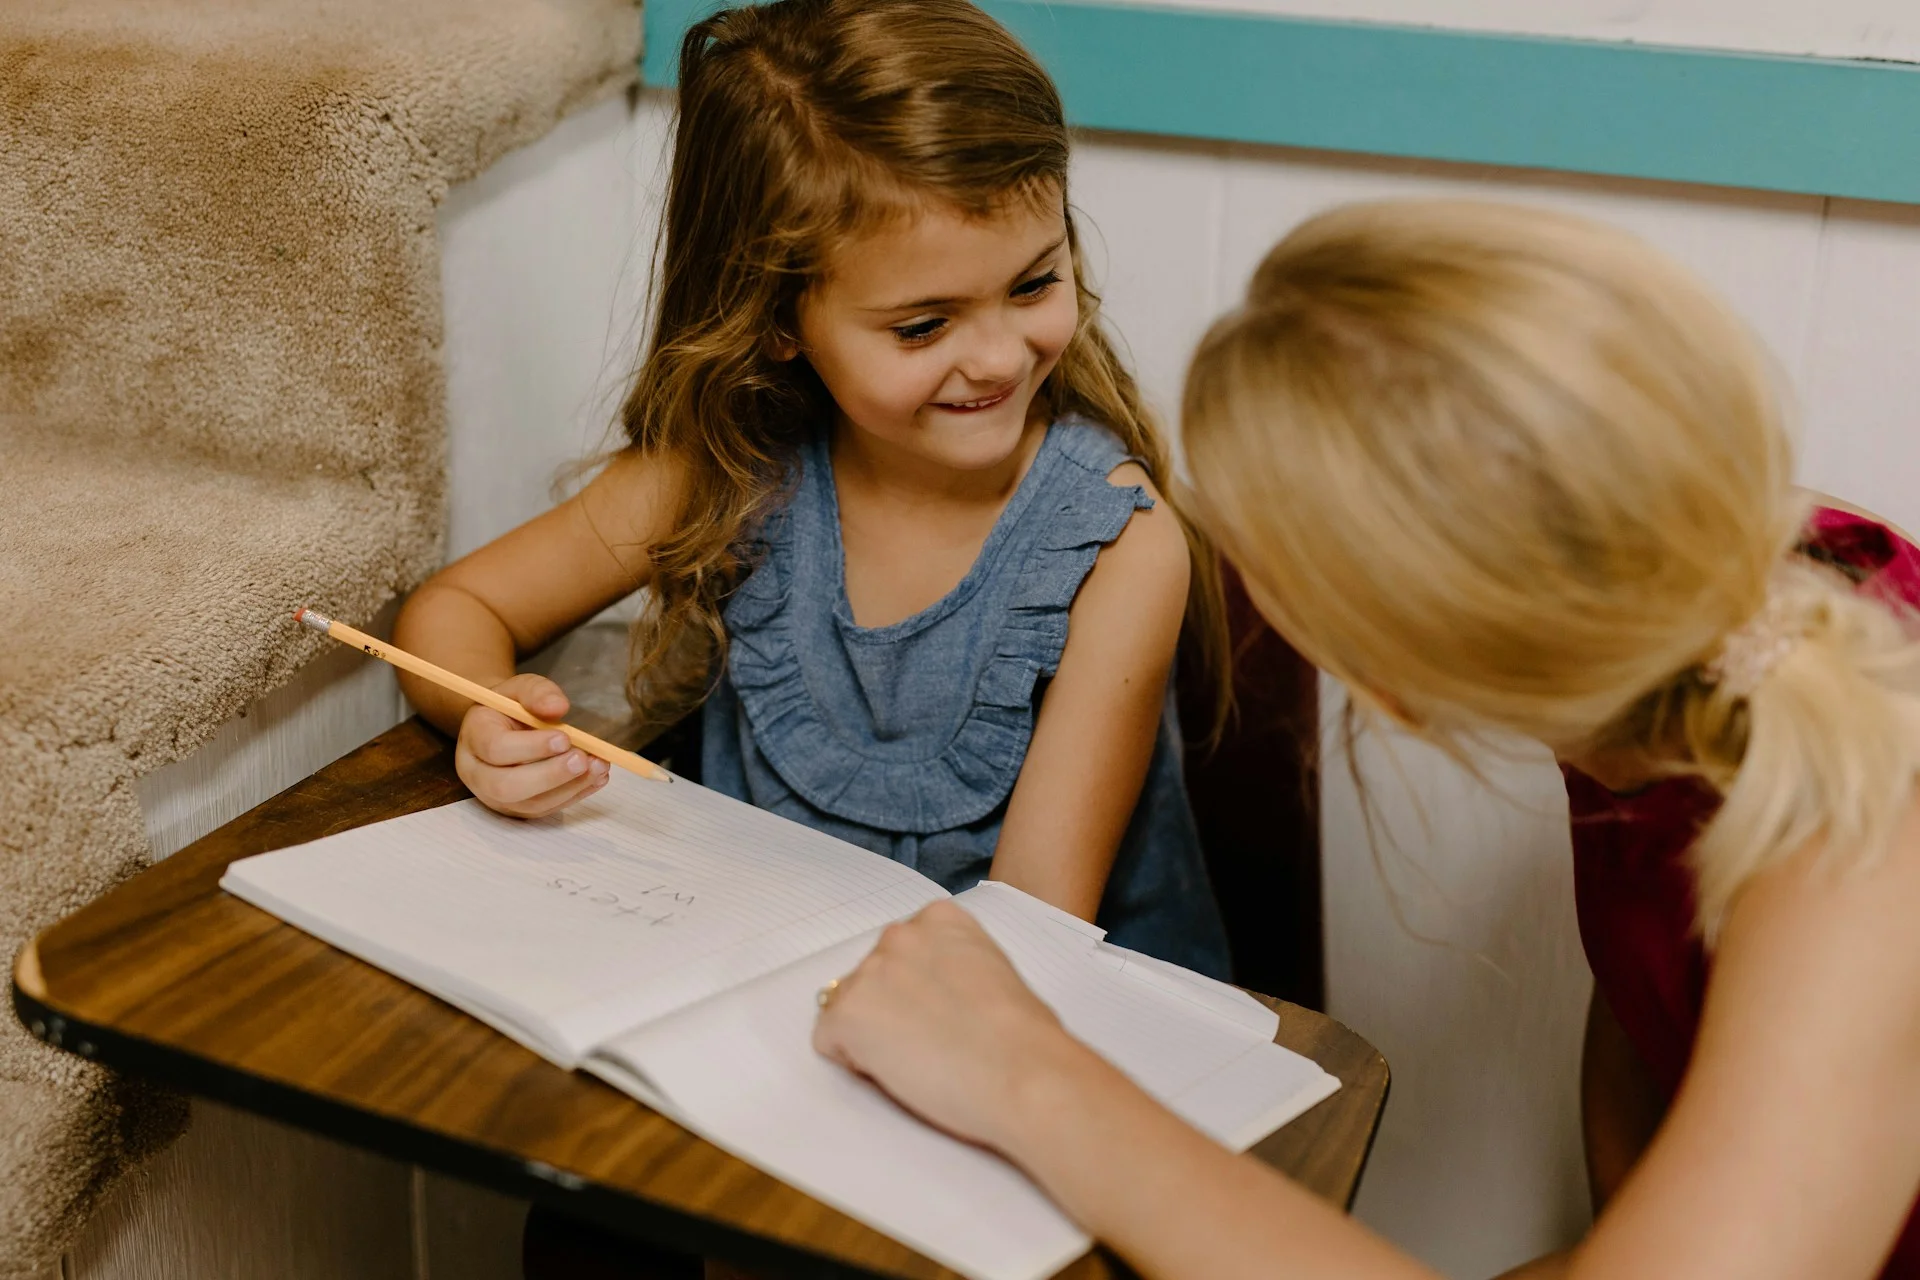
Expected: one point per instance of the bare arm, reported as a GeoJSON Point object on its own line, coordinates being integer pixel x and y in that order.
{"type": "Point", "coordinates": [481, 614]}
{"type": "Point", "coordinates": [1101, 715]}
{"type": "Point", "coordinates": [1170, 1200]}
{"type": "Point", "coordinates": [1791, 1153]}
{"type": "Point", "coordinates": [486, 610]}
{"type": "Point", "coordinates": [938, 1016]}
{"type": "Point", "coordinates": [1793, 1148]}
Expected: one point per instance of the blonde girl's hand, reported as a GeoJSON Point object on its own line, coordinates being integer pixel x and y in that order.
{"type": "Point", "coordinates": [522, 772]}
{"type": "Point", "coordinates": [936, 1016]}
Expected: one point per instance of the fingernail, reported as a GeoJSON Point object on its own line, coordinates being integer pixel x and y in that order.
{"type": "Point", "coordinates": [557, 743]}
{"type": "Point", "coordinates": [601, 769]}
{"type": "Point", "coordinates": [576, 763]}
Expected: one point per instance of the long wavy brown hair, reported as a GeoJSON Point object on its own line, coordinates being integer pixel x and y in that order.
{"type": "Point", "coordinates": [802, 124]}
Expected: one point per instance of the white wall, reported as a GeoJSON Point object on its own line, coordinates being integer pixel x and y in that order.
{"type": "Point", "coordinates": [1831, 28]}
{"type": "Point", "coordinates": [543, 258]}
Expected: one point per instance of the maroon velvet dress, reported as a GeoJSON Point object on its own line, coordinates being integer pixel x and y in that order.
{"type": "Point", "coordinates": [1633, 890]}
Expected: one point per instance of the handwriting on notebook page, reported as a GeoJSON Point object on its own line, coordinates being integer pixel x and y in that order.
{"type": "Point", "coordinates": [654, 905]}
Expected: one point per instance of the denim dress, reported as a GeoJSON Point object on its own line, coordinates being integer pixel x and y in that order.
{"type": "Point", "coordinates": [907, 739]}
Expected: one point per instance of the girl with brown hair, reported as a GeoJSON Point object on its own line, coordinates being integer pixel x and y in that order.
{"type": "Point", "coordinates": [889, 491]}
{"type": "Point", "coordinates": [1511, 474]}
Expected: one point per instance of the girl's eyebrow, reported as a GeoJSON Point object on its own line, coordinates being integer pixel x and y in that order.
{"type": "Point", "coordinates": [926, 304]}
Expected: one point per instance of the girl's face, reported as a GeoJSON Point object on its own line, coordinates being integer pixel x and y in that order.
{"type": "Point", "coordinates": [934, 334]}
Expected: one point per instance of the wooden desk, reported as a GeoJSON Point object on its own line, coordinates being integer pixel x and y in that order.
{"type": "Point", "coordinates": [170, 978]}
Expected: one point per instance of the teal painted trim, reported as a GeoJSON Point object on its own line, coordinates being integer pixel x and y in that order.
{"type": "Point", "coordinates": [1814, 125]}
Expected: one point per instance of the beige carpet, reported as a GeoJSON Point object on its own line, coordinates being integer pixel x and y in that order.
{"type": "Point", "coordinates": [220, 397]}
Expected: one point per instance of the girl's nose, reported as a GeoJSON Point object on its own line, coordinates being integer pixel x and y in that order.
{"type": "Point", "coordinates": [997, 354]}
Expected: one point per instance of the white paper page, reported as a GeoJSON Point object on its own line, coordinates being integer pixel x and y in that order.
{"type": "Point", "coordinates": [741, 1071]}
{"type": "Point", "coordinates": [1229, 1002]}
{"type": "Point", "coordinates": [1203, 1048]}
{"type": "Point", "coordinates": [567, 930]}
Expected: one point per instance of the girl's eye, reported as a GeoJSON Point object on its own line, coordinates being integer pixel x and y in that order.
{"type": "Point", "coordinates": [1036, 287]}
{"type": "Point", "coordinates": [919, 331]}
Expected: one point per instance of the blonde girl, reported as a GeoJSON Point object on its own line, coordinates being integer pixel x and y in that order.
{"type": "Point", "coordinates": [889, 490]}
{"type": "Point", "coordinates": [1503, 473]}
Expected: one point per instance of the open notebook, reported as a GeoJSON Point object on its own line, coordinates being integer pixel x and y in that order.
{"type": "Point", "coordinates": [671, 941]}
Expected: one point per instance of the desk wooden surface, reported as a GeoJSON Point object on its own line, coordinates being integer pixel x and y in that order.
{"type": "Point", "coordinates": [169, 977]}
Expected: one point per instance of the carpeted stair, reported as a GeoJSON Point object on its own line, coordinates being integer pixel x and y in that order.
{"type": "Point", "coordinates": [220, 397]}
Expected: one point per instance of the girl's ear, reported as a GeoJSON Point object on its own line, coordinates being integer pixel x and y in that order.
{"type": "Point", "coordinates": [780, 346]}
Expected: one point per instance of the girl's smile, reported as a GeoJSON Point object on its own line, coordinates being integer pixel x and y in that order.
{"type": "Point", "coordinates": [998, 398]}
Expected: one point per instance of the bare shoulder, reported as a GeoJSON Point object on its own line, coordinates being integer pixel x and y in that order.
{"type": "Point", "coordinates": [1138, 586]}
{"type": "Point", "coordinates": [1807, 1052]}
{"type": "Point", "coordinates": [1845, 914]}
{"type": "Point", "coordinates": [1153, 546]}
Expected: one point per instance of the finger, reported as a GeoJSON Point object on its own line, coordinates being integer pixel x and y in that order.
{"type": "Point", "coordinates": [833, 1004]}
{"type": "Point", "coordinates": [833, 1052]}
{"type": "Point", "coordinates": [946, 913]}
{"type": "Point", "coordinates": [536, 693]}
{"type": "Point", "coordinates": [825, 1043]}
{"type": "Point", "coordinates": [498, 741]}
{"type": "Point", "coordinates": [828, 1040]}
{"type": "Point", "coordinates": [559, 798]}
{"type": "Point", "coordinates": [511, 789]}
{"type": "Point", "coordinates": [522, 784]}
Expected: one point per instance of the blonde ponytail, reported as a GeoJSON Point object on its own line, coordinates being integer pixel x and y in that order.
{"type": "Point", "coordinates": [1825, 746]}
{"type": "Point", "coordinates": [1507, 471]}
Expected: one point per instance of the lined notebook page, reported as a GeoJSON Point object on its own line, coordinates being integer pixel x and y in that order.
{"type": "Point", "coordinates": [567, 930]}
{"type": "Point", "coordinates": [740, 1070]}
{"type": "Point", "coordinates": [1203, 1048]}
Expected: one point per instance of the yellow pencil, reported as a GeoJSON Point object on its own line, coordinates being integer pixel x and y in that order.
{"type": "Point", "coordinates": [480, 693]}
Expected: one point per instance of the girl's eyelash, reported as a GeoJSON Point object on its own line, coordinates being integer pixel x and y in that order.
{"type": "Point", "coordinates": [919, 331]}
{"type": "Point", "coordinates": [926, 330]}
{"type": "Point", "coordinates": [1036, 286]}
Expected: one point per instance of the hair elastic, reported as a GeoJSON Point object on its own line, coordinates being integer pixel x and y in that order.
{"type": "Point", "coordinates": [1749, 653]}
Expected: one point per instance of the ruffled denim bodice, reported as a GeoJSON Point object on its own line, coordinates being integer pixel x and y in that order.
{"type": "Point", "coordinates": [907, 739]}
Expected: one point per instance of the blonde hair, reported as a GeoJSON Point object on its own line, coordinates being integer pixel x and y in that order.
{"type": "Point", "coordinates": [1509, 471]}
{"type": "Point", "coordinates": [804, 123]}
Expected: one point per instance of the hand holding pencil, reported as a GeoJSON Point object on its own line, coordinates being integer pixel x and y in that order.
{"type": "Point", "coordinates": [525, 771]}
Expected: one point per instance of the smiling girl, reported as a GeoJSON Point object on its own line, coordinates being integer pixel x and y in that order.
{"type": "Point", "coordinates": [890, 491]}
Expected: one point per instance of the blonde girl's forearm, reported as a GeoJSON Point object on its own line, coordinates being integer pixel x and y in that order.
{"type": "Point", "coordinates": [1168, 1199]}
